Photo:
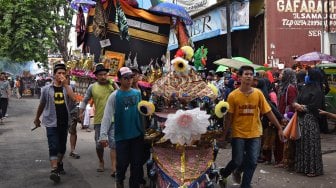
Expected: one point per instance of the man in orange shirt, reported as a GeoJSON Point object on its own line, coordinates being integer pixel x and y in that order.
{"type": "Point", "coordinates": [17, 88]}
{"type": "Point", "coordinates": [247, 104]}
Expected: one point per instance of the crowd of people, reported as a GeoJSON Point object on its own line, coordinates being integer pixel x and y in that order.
{"type": "Point", "coordinates": [15, 86]}
{"type": "Point", "coordinates": [261, 105]}
{"type": "Point", "coordinates": [292, 90]}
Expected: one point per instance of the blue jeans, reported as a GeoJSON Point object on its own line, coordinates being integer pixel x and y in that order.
{"type": "Point", "coordinates": [131, 152]}
{"type": "Point", "coordinates": [3, 107]}
{"type": "Point", "coordinates": [244, 152]}
{"type": "Point", "coordinates": [57, 139]}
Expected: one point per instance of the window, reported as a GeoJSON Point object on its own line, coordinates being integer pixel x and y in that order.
{"type": "Point", "coordinates": [333, 50]}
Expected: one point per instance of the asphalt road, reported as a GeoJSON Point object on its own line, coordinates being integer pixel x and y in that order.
{"type": "Point", "coordinates": [24, 159]}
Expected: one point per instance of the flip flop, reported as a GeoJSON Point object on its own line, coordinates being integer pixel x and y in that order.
{"type": "Point", "coordinates": [100, 169]}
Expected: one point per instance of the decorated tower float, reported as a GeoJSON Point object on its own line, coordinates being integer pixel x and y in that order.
{"type": "Point", "coordinates": [81, 71]}
{"type": "Point", "coordinates": [117, 33]}
{"type": "Point", "coordinates": [182, 135]}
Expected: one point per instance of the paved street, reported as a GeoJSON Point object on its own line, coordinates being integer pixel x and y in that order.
{"type": "Point", "coordinates": [24, 158]}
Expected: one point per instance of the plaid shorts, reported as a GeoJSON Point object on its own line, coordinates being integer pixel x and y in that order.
{"type": "Point", "coordinates": [73, 125]}
{"type": "Point", "coordinates": [110, 134]}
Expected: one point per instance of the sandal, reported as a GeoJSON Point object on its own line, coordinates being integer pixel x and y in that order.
{"type": "Point", "coordinates": [74, 155]}
{"type": "Point", "coordinates": [311, 175]}
{"type": "Point", "coordinates": [101, 167]}
{"type": "Point", "coordinates": [280, 165]}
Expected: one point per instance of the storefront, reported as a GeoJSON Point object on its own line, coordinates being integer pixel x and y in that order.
{"type": "Point", "coordinates": [210, 27]}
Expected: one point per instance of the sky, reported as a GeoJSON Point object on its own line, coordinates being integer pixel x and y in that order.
{"type": "Point", "coordinates": [145, 4]}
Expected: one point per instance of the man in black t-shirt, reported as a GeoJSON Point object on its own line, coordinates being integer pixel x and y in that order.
{"type": "Point", "coordinates": [53, 107]}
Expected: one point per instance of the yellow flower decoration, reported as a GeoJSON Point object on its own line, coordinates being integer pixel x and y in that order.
{"type": "Point", "coordinates": [221, 109]}
{"type": "Point", "coordinates": [213, 88]}
{"type": "Point", "coordinates": [180, 65]}
{"type": "Point", "coordinates": [188, 51]}
{"type": "Point", "coordinates": [146, 108]}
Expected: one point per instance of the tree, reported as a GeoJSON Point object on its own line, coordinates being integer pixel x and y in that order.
{"type": "Point", "coordinates": [31, 28]}
{"type": "Point", "coordinates": [61, 15]}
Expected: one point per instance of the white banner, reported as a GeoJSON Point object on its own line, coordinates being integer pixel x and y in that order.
{"type": "Point", "coordinates": [193, 6]}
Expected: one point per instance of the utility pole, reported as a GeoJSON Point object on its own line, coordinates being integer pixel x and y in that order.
{"type": "Point", "coordinates": [228, 26]}
{"type": "Point", "coordinates": [322, 33]}
{"type": "Point", "coordinates": [328, 16]}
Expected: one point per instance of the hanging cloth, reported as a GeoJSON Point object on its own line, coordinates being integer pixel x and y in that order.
{"type": "Point", "coordinates": [121, 21]}
{"type": "Point", "coordinates": [182, 34]}
{"type": "Point", "coordinates": [80, 26]}
{"type": "Point", "coordinates": [100, 21]}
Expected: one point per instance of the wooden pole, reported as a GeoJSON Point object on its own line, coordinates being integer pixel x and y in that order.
{"type": "Point", "coordinates": [228, 33]}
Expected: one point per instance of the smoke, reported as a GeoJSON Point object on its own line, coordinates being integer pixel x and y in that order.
{"type": "Point", "coordinates": [17, 68]}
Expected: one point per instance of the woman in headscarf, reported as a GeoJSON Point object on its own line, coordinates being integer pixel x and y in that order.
{"type": "Point", "coordinates": [269, 131]}
{"type": "Point", "coordinates": [300, 76]}
{"type": "Point", "coordinates": [308, 157]}
{"type": "Point", "coordinates": [287, 93]}
{"type": "Point", "coordinates": [229, 86]}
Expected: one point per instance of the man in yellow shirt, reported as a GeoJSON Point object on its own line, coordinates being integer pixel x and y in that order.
{"type": "Point", "coordinates": [99, 92]}
{"type": "Point", "coordinates": [247, 104]}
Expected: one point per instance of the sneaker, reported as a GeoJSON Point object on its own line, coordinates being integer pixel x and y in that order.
{"type": "Point", "coordinates": [143, 183]}
{"type": "Point", "coordinates": [222, 183]}
{"type": "Point", "coordinates": [74, 155]}
{"type": "Point", "coordinates": [60, 168]}
{"type": "Point", "coordinates": [236, 176]}
{"type": "Point", "coordinates": [54, 175]}
{"type": "Point", "coordinates": [119, 184]}
{"type": "Point", "coordinates": [221, 171]}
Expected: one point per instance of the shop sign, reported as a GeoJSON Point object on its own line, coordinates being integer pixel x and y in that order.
{"type": "Point", "coordinates": [213, 23]}
{"type": "Point", "coordinates": [294, 27]}
{"type": "Point", "coordinates": [306, 14]}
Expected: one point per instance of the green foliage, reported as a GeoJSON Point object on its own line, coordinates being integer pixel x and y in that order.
{"type": "Point", "coordinates": [31, 28]}
{"type": "Point", "coordinates": [200, 57]}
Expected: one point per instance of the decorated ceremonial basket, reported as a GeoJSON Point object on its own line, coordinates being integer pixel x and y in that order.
{"type": "Point", "coordinates": [182, 135]}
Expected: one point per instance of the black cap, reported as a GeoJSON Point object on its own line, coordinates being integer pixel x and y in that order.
{"type": "Point", "coordinates": [59, 66]}
{"type": "Point", "coordinates": [135, 69]}
{"type": "Point", "coordinates": [211, 73]}
{"type": "Point", "coordinates": [100, 67]}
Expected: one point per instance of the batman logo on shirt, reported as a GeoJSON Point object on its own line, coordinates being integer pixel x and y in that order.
{"type": "Point", "coordinates": [59, 98]}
